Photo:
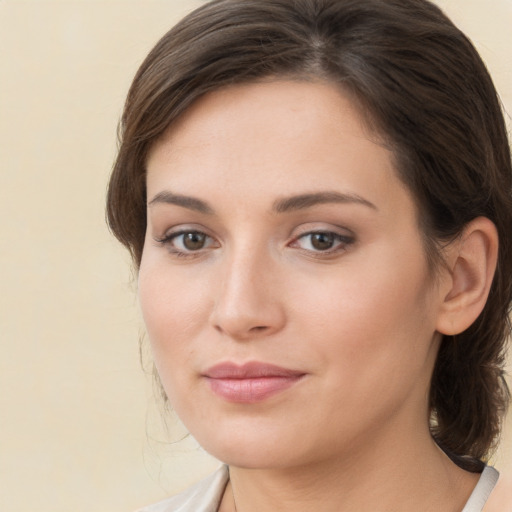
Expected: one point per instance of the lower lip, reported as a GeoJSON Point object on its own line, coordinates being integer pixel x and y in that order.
{"type": "Point", "coordinates": [251, 390]}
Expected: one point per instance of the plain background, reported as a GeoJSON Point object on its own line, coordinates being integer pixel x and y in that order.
{"type": "Point", "coordinates": [79, 427]}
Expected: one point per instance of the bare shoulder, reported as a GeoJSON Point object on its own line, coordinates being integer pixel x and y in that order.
{"type": "Point", "coordinates": [500, 499]}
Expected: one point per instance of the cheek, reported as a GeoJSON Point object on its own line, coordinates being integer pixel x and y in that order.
{"type": "Point", "coordinates": [374, 320]}
{"type": "Point", "coordinates": [174, 310]}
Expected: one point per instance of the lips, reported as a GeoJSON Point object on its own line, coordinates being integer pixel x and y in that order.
{"type": "Point", "coordinates": [250, 383]}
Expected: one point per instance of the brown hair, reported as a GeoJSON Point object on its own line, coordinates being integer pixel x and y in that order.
{"type": "Point", "coordinates": [426, 91]}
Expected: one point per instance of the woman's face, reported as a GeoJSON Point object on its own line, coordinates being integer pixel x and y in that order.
{"type": "Point", "coordinates": [284, 285]}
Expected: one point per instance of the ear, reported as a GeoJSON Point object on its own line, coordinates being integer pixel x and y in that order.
{"type": "Point", "coordinates": [472, 262]}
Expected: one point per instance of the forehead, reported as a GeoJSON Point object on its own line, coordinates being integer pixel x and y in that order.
{"type": "Point", "coordinates": [305, 98]}
{"type": "Point", "coordinates": [277, 136]}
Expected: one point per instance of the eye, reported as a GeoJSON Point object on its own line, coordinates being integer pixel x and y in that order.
{"type": "Point", "coordinates": [186, 242]}
{"type": "Point", "coordinates": [193, 241]}
{"type": "Point", "coordinates": [322, 241]}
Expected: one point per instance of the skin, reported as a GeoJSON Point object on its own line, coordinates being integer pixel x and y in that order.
{"type": "Point", "coordinates": [501, 498]}
{"type": "Point", "coordinates": [360, 320]}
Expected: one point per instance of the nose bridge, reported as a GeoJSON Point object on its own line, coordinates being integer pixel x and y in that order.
{"type": "Point", "coordinates": [247, 301]}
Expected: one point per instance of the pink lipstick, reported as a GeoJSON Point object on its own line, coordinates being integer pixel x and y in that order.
{"type": "Point", "coordinates": [250, 383]}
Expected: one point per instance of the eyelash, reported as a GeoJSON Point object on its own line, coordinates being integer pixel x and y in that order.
{"type": "Point", "coordinates": [168, 241]}
{"type": "Point", "coordinates": [342, 242]}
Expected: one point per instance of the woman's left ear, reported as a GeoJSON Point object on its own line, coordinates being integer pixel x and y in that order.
{"type": "Point", "coordinates": [471, 262]}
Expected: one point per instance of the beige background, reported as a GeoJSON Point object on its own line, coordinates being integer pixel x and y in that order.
{"type": "Point", "coordinates": [79, 430]}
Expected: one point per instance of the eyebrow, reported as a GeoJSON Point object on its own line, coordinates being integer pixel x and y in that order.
{"type": "Point", "coordinates": [304, 201]}
{"type": "Point", "coordinates": [284, 205]}
{"type": "Point", "coordinates": [191, 203]}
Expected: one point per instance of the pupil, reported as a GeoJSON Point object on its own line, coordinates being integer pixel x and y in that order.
{"type": "Point", "coordinates": [194, 241]}
{"type": "Point", "coordinates": [322, 241]}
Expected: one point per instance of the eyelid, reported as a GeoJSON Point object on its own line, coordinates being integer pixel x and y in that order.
{"type": "Point", "coordinates": [180, 229]}
{"type": "Point", "coordinates": [344, 239]}
{"type": "Point", "coordinates": [175, 234]}
{"type": "Point", "coordinates": [320, 227]}
{"type": "Point", "coordinates": [167, 239]}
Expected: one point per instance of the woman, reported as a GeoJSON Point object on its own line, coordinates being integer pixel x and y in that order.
{"type": "Point", "coordinates": [317, 198]}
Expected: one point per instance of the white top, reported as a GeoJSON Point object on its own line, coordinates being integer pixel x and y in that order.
{"type": "Point", "coordinates": [205, 496]}
{"type": "Point", "coordinates": [483, 489]}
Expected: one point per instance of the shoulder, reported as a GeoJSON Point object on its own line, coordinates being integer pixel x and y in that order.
{"type": "Point", "coordinates": [500, 499]}
{"type": "Point", "coordinates": [204, 496]}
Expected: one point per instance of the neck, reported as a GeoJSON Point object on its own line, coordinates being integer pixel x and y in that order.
{"type": "Point", "coordinates": [393, 474]}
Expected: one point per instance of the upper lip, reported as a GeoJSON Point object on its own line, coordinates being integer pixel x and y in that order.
{"type": "Point", "coordinates": [250, 370]}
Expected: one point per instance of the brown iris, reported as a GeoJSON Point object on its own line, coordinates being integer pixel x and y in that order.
{"type": "Point", "coordinates": [194, 241]}
{"type": "Point", "coordinates": [322, 241]}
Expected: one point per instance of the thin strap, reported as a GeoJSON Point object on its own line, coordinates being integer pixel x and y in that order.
{"type": "Point", "coordinates": [483, 489]}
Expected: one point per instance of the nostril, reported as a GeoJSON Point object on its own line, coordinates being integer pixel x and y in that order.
{"type": "Point", "coordinates": [259, 328]}
{"type": "Point", "coordinates": [253, 330]}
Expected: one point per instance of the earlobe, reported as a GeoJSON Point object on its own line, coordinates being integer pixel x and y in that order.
{"type": "Point", "coordinates": [472, 262]}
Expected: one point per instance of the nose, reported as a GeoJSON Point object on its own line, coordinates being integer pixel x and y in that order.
{"type": "Point", "coordinates": [249, 302]}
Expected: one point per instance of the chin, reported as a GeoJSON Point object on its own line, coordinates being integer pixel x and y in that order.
{"type": "Point", "coordinates": [250, 448]}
